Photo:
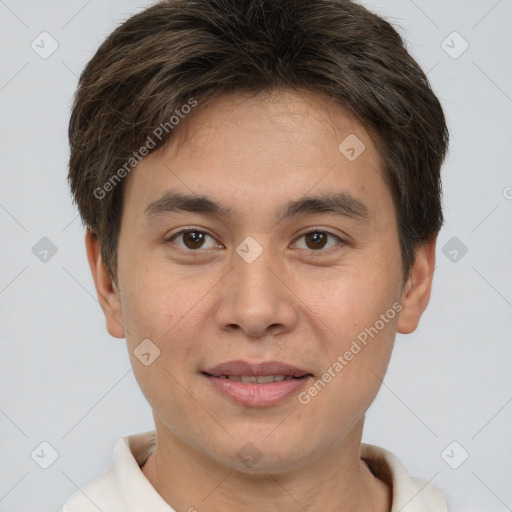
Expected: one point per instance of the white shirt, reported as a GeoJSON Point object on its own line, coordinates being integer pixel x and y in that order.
{"type": "Point", "coordinates": [125, 488]}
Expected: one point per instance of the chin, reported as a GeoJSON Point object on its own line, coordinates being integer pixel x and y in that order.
{"type": "Point", "coordinates": [261, 456]}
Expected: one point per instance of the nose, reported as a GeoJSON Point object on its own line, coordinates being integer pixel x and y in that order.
{"type": "Point", "coordinates": [256, 298]}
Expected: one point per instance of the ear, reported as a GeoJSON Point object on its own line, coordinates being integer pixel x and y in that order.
{"type": "Point", "coordinates": [416, 293]}
{"type": "Point", "coordinates": [106, 289]}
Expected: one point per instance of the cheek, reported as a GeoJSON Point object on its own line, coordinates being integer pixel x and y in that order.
{"type": "Point", "coordinates": [357, 314]}
{"type": "Point", "coordinates": [155, 300]}
{"type": "Point", "coordinates": [156, 311]}
{"type": "Point", "coordinates": [364, 329]}
{"type": "Point", "coordinates": [355, 361]}
{"type": "Point", "coordinates": [353, 298]}
{"type": "Point", "coordinates": [170, 312]}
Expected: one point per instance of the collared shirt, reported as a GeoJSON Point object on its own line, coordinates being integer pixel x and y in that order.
{"type": "Point", "coordinates": [125, 488]}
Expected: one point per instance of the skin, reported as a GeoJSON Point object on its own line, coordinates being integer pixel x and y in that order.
{"type": "Point", "coordinates": [294, 303]}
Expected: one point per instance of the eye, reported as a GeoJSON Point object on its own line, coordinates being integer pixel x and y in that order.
{"type": "Point", "coordinates": [317, 240]}
{"type": "Point", "coordinates": [192, 239]}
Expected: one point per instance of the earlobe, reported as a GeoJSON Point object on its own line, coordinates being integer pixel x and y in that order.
{"type": "Point", "coordinates": [416, 294]}
{"type": "Point", "coordinates": [106, 289]}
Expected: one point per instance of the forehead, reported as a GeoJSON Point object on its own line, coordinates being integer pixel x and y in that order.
{"type": "Point", "coordinates": [287, 115]}
{"type": "Point", "coordinates": [261, 149]}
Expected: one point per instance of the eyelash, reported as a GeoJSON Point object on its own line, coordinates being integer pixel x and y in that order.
{"type": "Point", "coordinates": [315, 253]}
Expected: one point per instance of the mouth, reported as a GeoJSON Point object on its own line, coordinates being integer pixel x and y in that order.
{"type": "Point", "coordinates": [245, 369]}
{"type": "Point", "coordinates": [260, 379]}
{"type": "Point", "coordinates": [256, 385]}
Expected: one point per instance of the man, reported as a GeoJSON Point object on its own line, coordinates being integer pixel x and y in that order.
{"type": "Point", "coordinates": [260, 182]}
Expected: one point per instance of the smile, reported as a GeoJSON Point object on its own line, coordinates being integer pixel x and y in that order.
{"type": "Point", "coordinates": [260, 379]}
{"type": "Point", "coordinates": [255, 384]}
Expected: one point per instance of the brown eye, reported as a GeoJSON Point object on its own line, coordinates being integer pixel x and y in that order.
{"type": "Point", "coordinates": [317, 240]}
{"type": "Point", "coordinates": [192, 239]}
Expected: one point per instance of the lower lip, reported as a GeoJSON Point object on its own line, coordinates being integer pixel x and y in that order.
{"type": "Point", "coordinates": [257, 395]}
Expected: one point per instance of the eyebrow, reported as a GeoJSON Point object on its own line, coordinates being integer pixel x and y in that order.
{"type": "Point", "coordinates": [339, 203]}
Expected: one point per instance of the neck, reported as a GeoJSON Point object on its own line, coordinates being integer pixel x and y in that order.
{"type": "Point", "coordinates": [189, 480]}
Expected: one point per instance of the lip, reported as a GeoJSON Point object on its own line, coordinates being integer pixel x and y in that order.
{"type": "Point", "coordinates": [240, 367]}
{"type": "Point", "coordinates": [253, 394]}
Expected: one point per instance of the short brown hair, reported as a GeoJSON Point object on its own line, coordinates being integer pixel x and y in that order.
{"type": "Point", "coordinates": [157, 60]}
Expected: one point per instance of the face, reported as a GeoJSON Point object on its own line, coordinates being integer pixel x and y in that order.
{"type": "Point", "coordinates": [289, 266]}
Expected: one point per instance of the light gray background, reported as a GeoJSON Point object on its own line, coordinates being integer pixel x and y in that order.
{"type": "Point", "coordinates": [65, 381]}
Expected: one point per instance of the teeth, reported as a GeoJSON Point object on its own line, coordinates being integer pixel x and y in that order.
{"type": "Point", "coordinates": [264, 379]}
{"type": "Point", "coordinates": [261, 379]}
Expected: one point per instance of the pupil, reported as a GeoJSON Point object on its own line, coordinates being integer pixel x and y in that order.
{"type": "Point", "coordinates": [317, 237]}
{"type": "Point", "coordinates": [195, 238]}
